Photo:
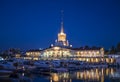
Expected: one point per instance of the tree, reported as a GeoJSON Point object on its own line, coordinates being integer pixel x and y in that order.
{"type": "Point", "coordinates": [86, 47]}
{"type": "Point", "coordinates": [106, 52]}
{"type": "Point", "coordinates": [118, 47]}
{"type": "Point", "coordinates": [112, 50]}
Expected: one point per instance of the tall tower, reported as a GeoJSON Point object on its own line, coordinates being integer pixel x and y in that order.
{"type": "Point", "coordinates": [61, 35]}
{"type": "Point", "coordinates": [62, 41]}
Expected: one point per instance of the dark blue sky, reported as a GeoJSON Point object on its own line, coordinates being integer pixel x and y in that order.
{"type": "Point", "coordinates": [33, 24]}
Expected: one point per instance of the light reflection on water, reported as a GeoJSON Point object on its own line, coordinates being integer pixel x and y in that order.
{"type": "Point", "coordinates": [91, 75]}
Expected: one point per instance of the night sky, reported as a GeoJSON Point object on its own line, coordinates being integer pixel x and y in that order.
{"type": "Point", "coordinates": [33, 24]}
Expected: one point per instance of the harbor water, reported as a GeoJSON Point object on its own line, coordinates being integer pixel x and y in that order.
{"type": "Point", "coordinates": [84, 75]}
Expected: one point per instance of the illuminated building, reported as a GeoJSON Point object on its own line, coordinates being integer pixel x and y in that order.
{"type": "Point", "coordinates": [61, 49]}
{"type": "Point", "coordinates": [95, 54]}
{"type": "Point", "coordinates": [56, 53]}
{"type": "Point", "coordinates": [17, 55]}
{"type": "Point", "coordinates": [33, 54]}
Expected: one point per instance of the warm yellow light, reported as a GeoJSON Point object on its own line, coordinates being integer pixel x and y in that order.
{"type": "Point", "coordinates": [96, 59]}
{"type": "Point", "coordinates": [56, 48]}
{"type": "Point", "coordinates": [55, 77]}
{"type": "Point", "coordinates": [87, 59]}
{"type": "Point", "coordinates": [97, 52]}
{"type": "Point", "coordinates": [81, 52]}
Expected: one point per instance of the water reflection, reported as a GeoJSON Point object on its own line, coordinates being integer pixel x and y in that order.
{"type": "Point", "coordinates": [97, 75]}
{"type": "Point", "coordinates": [91, 75]}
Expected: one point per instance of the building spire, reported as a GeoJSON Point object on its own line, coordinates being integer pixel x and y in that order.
{"type": "Point", "coordinates": [62, 30]}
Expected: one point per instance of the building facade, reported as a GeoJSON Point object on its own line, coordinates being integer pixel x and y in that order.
{"type": "Point", "coordinates": [33, 54]}
{"type": "Point", "coordinates": [61, 49]}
